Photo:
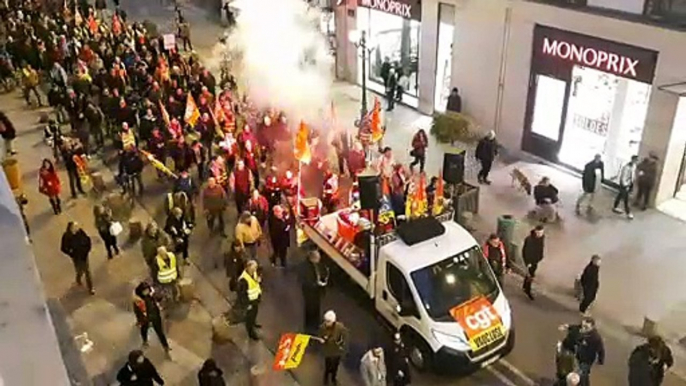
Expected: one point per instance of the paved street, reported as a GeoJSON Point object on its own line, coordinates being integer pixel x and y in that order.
{"type": "Point", "coordinates": [638, 270]}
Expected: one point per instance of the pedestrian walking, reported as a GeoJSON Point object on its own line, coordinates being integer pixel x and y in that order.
{"type": "Point", "coordinates": [49, 185]}
{"type": "Point", "coordinates": [8, 134]}
{"type": "Point", "coordinates": [210, 374]}
{"type": "Point", "coordinates": [314, 278]}
{"type": "Point", "coordinates": [646, 177]}
{"type": "Point", "coordinates": [180, 230]}
{"type": "Point", "coordinates": [627, 175]}
{"type": "Point", "coordinates": [138, 371]}
{"type": "Point", "coordinates": [258, 206]}
{"type": "Point", "coordinates": [334, 338]}
{"type": "Point", "coordinates": [241, 181]}
{"type": "Point", "coordinates": [664, 358]}
{"type": "Point", "coordinates": [399, 363]}
{"type": "Point", "coordinates": [214, 204]}
{"type": "Point", "coordinates": [148, 314]}
{"type": "Point", "coordinates": [185, 34]}
{"type": "Point", "coordinates": [420, 142]}
{"type": "Point", "coordinates": [280, 235]}
{"type": "Point", "coordinates": [249, 295]}
{"type": "Point", "coordinates": [373, 367]}
{"type": "Point", "coordinates": [649, 362]}
{"type": "Point", "coordinates": [77, 245]}
{"type": "Point", "coordinates": [585, 341]}
{"type": "Point", "coordinates": [248, 233]}
{"type": "Point", "coordinates": [106, 227]}
{"type": "Point", "coordinates": [494, 252]}
{"type": "Point", "coordinates": [591, 181]}
{"type": "Point", "coordinates": [167, 272]}
{"type": "Point", "coordinates": [234, 262]}
{"type": "Point", "coordinates": [532, 254]}
{"type": "Point", "coordinates": [486, 151]}
{"type": "Point", "coordinates": [30, 82]}
{"type": "Point", "coordinates": [590, 282]}
{"type": "Point", "coordinates": [69, 151]}
{"type": "Point", "coordinates": [153, 238]}
{"type": "Point", "coordinates": [391, 88]}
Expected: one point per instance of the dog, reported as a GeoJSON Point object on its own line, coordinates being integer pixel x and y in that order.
{"type": "Point", "coordinates": [520, 180]}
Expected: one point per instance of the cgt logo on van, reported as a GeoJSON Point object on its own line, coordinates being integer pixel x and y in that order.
{"type": "Point", "coordinates": [480, 321]}
{"type": "Point", "coordinates": [591, 57]}
{"type": "Point", "coordinates": [389, 6]}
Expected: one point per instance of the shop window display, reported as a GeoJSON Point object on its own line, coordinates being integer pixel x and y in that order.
{"type": "Point", "coordinates": [395, 42]}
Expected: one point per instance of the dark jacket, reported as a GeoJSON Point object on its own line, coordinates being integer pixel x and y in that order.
{"type": "Point", "coordinates": [76, 245]}
{"type": "Point", "coordinates": [454, 103]}
{"type": "Point", "coordinates": [131, 163]}
{"type": "Point", "coordinates": [279, 232]}
{"type": "Point", "coordinates": [640, 367]}
{"type": "Point", "coordinates": [145, 308]}
{"type": "Point", "coordinates": [398, 362]}
{"type": "Point", "coordinates": [486, 150]}
{"type": "Point", "coordinates": [532, 251]}
{"type": "Point", "coordinates": [145, 374]}
{"type": "Point", "coordinates": [545, 194]}
{"type": "Point", "coordinates": [588, 346]}
{"type": "Point", "coordinates": [175, 227]}
{"type": "Point", "coordinates": [310, 275]}
{"type": "Point", "coordinates": [8, 131]}
{"type": "Point", "coordinates": [588, 177]}
{"type": "Point", "coordinates": [590, 279]}
{"type": "Point", "coordinates": [335, 340]}
{"type": "Point", "coordinates": [647, 172]}
{"type": "Point", "coordinates": [211, 377]}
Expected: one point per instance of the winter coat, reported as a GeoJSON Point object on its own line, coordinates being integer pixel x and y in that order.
{"type": "Point", "coordinates": [532, 251]}
{"type": "Point", "coordinates": [373, 370]}
{"type": "Point", "coordinates": [486, 150]}
{"type": "Point", "coordinates": [49, 183]}
{"type": "Point", "coordinates": [454, 103]}
{"type": "Point", "coordinates": [140, 375]}
{"type": "Point", "coordinates": [640, 367]}
{"type": "Point", "coordinates": [145, 307]}
{"type": "Point", "coordinates": [335, 340]}
{"type": "Point", "coordinates": [214, 199]}
{"type": "Point", "coordinates": [399, 365]}
{"type": "Point", "coordinates": [258, 208]}
{"type": "Point", "coordinates": [76, 245]}
{"type": "Point", "coordinates": [590, 279]}
{"type": "Point", "coordinates": [588, 177]}
{"type": "Point", "coordinates": [647, 172]}
{"type": "Point", "coordinates": [8, 131]}
{"type": "Point", "coordinates": [588, 347]}
{"type": "Point", "coordinates": [177, 228]}
{"type": "Point", "coordinates": [103, 221]}
{"type": "Point", "coordinates": [149, 245]}
{"type": "Point", "coordinates": [545, 194]}
{"type": "Point", "coordinates": [279, 232]}
{"type": "Point", "coordinates": [211, 377]}
{"type": "Point", "coordinates": [419, 144]}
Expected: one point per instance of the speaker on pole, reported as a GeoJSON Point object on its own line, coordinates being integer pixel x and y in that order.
{"type": "Point", "coordinates": [370, 190]}
{"type": "Point", "coordinates": [453, 167]}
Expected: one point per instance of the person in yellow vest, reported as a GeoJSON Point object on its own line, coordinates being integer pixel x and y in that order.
{"type": "Point", "coordinates": [249, 294]}
{"type": "Point", "coordinates": [167, 271]}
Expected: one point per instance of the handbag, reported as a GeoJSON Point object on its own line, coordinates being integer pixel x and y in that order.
{"type": "Point", "coordinates": [116, 228]}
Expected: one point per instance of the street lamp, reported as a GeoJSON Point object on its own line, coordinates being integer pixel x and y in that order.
{"type": "Point", "coordinates": [359, 40]}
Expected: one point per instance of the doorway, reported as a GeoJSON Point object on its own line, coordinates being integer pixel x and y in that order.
{"type": "Point", "coordinates": [444, 55]}
{"type": "Point", "coordinates": [549, 95]}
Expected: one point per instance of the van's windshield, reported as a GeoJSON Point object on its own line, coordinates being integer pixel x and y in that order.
{"type": "Point", "coordinates": [454, 281]}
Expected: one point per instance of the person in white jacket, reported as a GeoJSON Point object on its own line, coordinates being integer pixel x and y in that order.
{"type": "Point", "coordinates": [373, 367]}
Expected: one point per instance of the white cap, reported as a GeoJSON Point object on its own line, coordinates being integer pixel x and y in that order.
{"type": "Point", "coordinates": [330, 316]}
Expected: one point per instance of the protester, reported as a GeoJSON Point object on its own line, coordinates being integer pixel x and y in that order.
{"type": "Point", "coordinates": [314, 278]}
{"type": "Point", "coordinates": [153, 239]}
{"type": "Point", "coordinates": [494, 252]}
{"type": "Point", "coordinates": [486, 151]}
{"type": "Point", "coordinates": [77, 245]}
{"type": "Point", "coordinates": [334, 337]}
{"type": "Point", "coordinates": [138, 371]}
{"type": "Point", "coordinates": [280, 235]}
{"type": "Point", "coordinates": [420, 142]}
{"type": "Point", "coordinates": [249, 295]}
{"type": "Point", "coordinates": [532, 254]}
{"type": "Point", "coordinates": [399, 363]}
{"type": "Point", "coordinates": [234, 263]}
{"type": "Point", "coordinates": [104, 224]}
{"type": "Point", "coordinates": [248, 233]}
{"type": "Point", "coordinates": [167, 272]}
{"type": "Point", "coordinates": [180, 230]}
{"type": "Point", "coordinates": [241, 182]}
{"type": "Point", "coordinates": [49, 184]}
{"type": "Point", "coordinates": [627, 175]}
{"type": "Point", "coordinates": [590, 282]}
{"type": "Point", "coordinates": [210, 374]}
{"type": "Point", "coordinates": [373, 367]}
{"type": "Point", "coordinates": [587, 344]}
{"type": "Point", "coordinates": [214, 203]}
{"type": "Point", "coordinates": [646, 178]}
{"type": "Point", "coordinates": [591, 180]}
{"type": "Point", "coordinates": [8, 134]}
{"type": "Point", "coordinates": [148, 314]}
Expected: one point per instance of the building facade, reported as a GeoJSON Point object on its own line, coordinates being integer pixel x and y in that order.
{"type": "Point", "coordinates": [560, 83]}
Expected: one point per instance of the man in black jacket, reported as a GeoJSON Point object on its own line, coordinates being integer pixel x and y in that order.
{"type": "Point", "coordinates": [68, 151]}
{"type": "Point", "coordinates": [532, 253]}
{"type": "Point", "coordinates": [280, 235]}
{"type": "Point", "coordinates": [314, 278]}
{"type": "Point", "coordinates": [8, 134]}
{"type": "Point", "coordinates": [138, 371]}
{"type": "Point", "coordinates": [131, 167]}
{"type": "Point", "coordinates": [590, 282]}
{"type": "Point", "coordinates": [584, 340]}
{"type": "Point", "coordinates": [591, 179]}
{"type": "Point", "coordinates": [486, 151]}
{"type": "Point", "coordinates": [77, 245]}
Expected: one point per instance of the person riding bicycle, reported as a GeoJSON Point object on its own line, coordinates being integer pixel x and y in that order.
{"type": "Point", "coordinates": [130, 169]}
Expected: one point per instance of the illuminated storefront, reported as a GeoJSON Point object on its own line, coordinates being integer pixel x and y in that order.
{"type": "Point", "coordinates": [586, 96]}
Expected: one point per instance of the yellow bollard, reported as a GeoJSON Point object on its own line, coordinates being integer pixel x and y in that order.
{"type": "Point", "coordinates": [11, 168]}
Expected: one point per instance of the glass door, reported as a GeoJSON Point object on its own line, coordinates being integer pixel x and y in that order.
{"type": "Point", "coordinates": [547, 106]}
{"type": "Point", "coordinates": [444, 57]}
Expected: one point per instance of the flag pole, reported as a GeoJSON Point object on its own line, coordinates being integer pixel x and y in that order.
{"type": "Point", "coordinates": [297, 202]}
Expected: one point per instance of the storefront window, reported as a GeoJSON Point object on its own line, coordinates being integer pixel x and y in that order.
{"type": "Point", "coordinates": [444, 57]}
{"type": "Point", "coordinates": [395, 41]}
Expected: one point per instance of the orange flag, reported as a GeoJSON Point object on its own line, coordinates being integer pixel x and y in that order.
{"type": "Point", "coordinates": [116, 25]}
{"type": "Point", "coordinates": [375, 123]}
{"type": "Point", "coordinates": [192, 113]}
{"type": "Point", "coordinates": [302, 147]}
{"type": "Point", "coordinates": [92, 24]}
{"type": "Point", "coordinates": [439, 195]}
{"type": "Point", "coordinates": [165, 114]}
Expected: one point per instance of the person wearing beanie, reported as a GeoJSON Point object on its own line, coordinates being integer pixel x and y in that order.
{"type": "Point", "coordinates": [334, 338]}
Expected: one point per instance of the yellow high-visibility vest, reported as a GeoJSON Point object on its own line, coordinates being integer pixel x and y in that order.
{"type": "Point", "coordinates": [167, 272]}
{"type": "Point", "coordinates": [254, 289]}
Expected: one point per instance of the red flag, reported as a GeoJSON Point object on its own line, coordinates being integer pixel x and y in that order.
{"type": "Point", "coordinates": [92, 25]}
{"type": "Point", "coordinates": [302, 147]}
{"type": "Point", "coordinates": [375, 122]}
{"type": "Point", "coordinates": [116, 25]}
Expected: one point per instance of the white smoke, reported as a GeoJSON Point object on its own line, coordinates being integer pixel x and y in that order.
{"type": "Point", "coordinates": [285, 61]}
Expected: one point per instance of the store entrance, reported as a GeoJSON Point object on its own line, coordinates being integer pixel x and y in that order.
{"type": "Point", "coordinates": [594, 113]}
{"type": "Point", "coordinates": [444, 57]}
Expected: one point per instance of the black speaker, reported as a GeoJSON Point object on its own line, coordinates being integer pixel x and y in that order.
{"type": "Point", "coordinates": [453, 167]}
{"type": "Point", "coordinates": [370, 191]}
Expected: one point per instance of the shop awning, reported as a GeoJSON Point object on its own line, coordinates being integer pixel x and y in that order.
{"type": "Point", "coordinates": [674, 88]}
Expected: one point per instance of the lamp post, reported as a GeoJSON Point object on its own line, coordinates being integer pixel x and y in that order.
{"type": "Point", "coordinates": [360, 42]}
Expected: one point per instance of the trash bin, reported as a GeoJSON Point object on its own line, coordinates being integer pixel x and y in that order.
{"type": "Point", "coordinates": [506, 231]}
{"type": "Point", "coordinates": [11, 168]}
{"type": "Point", "coordinates": [465, 199]}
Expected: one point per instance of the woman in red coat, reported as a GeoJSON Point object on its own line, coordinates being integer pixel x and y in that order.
{"type": "Point", "coordinates": [49, 184]}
